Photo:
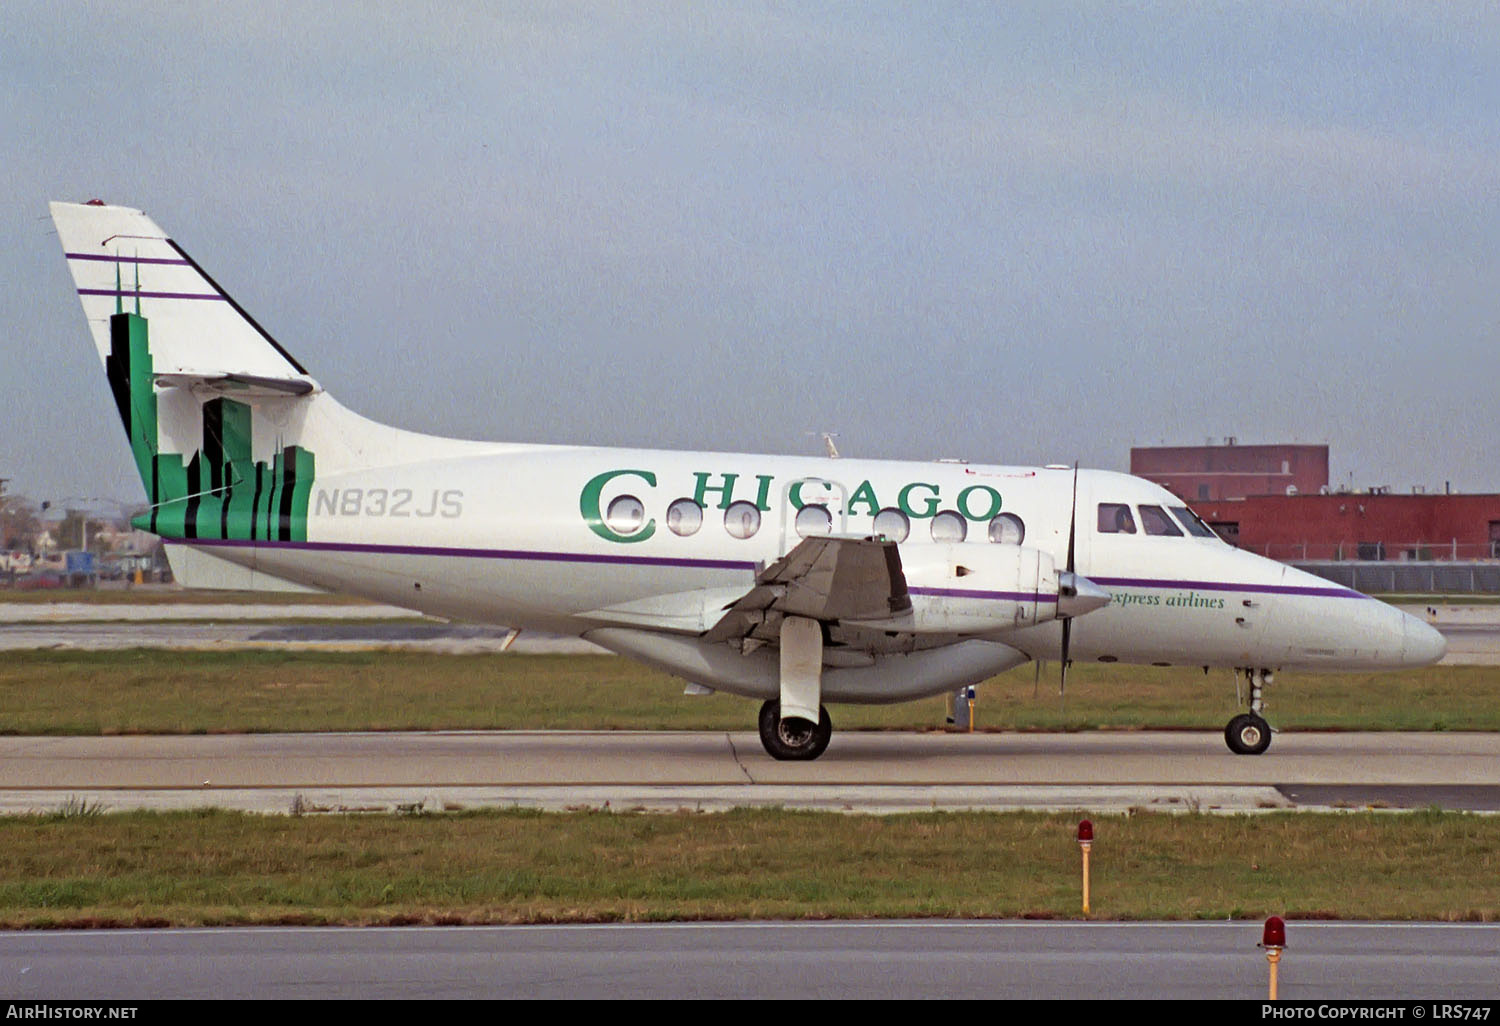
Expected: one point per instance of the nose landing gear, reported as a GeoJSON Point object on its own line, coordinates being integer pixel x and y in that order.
{"type": "Point", "coordinates": [1249, 733]}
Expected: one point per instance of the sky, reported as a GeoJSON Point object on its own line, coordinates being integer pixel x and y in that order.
{"type": "Point", "coordinates": [1006, 232]}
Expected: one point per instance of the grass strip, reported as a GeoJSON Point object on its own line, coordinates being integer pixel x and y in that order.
{"type": "Point", "coordinates": [174, 691]}
{"type": "Point", "coordinates": [212, 868]}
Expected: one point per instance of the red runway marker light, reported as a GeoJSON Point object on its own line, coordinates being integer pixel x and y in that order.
{"type": "Point", "coordinates": [1273, 940]}
{"type": "Point", "coordinates": [1085, 842]}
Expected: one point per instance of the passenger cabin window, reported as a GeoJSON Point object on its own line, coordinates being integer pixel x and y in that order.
{"type": "Point", "coordinates": [625, 514]}
{"type": "Point", "coordinates": [892, 524]}
{"type": "Point", "coordinates": [1195, 527]}
{"type": "Point", "coordinates": [684, 517]}
{"type": "Point", "coordinates": [1115, 518]}
{"type": "Point", "coordinates": [742, 519]}
{"type": "Point", "coordinates": [1155, 520]}
{"type": "Point", "coordinates": [1007, 529]}
{"type": "Point", "coordinates": [949, 526]}
{"type": "Point", "coordinates": [813, 520]}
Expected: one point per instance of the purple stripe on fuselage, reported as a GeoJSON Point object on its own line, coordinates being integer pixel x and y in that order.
{"type": "Point", "coordinates": [127, 294]}
{"type": "Point", "coordinates": [437, 550]}
{"type": "Point", "coordinates": [1264, 589]}
{"type": "Point", "coordinates": [127, 259]}
{"type": "Point", "coordinates": [1006, 596]}
{"type": "Point", "coordinates": [734, 564]}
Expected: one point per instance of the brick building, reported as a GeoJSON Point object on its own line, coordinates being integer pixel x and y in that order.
{"type": "Point", "coordinates": [1203, 473]}
{"type": "Point", "coordinates": [1274, 500]}
{"type": "Point", "coordinates": [1359, 525]}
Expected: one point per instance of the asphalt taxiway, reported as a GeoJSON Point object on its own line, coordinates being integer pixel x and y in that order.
{"type": "Point", "coordinates": [1405, 962]}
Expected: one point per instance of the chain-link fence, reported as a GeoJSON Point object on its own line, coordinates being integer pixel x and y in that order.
{"type": "Point", "coordinates": [1409, 577]}
{"type": "Point", "coordinates": [1451, 550]}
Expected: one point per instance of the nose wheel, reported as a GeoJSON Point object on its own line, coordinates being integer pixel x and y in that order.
{"type": "Point", "coordinates": [793, 739]}
{"type": "Point", "coordinates": [1249, 733]}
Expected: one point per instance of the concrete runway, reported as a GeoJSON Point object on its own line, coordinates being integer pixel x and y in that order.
{"type": "Point", "coordinates": [879, 772]}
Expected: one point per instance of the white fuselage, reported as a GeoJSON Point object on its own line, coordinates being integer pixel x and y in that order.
{"type": "Point", "coordinates": [525, 537]}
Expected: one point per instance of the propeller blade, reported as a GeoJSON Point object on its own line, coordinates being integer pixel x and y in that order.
{"type": "Point", "coordinates": [1073, 517]}
{"type": "Point", "coordinates": [1067, 621]}
{"type": "Point", "coordinates": [1067, 636]}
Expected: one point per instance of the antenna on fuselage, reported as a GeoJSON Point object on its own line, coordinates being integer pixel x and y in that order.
{"type": "Point", "coordinates": [828, 437]}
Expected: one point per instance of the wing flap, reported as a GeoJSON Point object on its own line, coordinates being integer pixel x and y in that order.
{"type": "Point", "coordinates": [824, 578]}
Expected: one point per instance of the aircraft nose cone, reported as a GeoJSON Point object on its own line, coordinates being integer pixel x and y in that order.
{"type": "Point", "coordinates": [1077, 595]}
{"type": "Point", "coordinates": [1423, 644]}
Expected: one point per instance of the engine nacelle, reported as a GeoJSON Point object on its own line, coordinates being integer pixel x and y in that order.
{"type": "Point", "coordinates": [972, 589]}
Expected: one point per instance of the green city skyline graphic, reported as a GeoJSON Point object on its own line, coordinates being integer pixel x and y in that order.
{"type": "Point", "coordinates": [221, 492]}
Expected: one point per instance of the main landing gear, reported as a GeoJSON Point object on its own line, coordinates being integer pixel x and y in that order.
{"type": "Point", "coordinates": [793, 739]}
{"type": "Point", "coordinates": [791, 735]}
{"type": "Point", "coordinates": [1249, 733]}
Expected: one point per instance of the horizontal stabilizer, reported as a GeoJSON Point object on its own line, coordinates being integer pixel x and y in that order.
{"type": "Point", "coordinates": [247, 386]}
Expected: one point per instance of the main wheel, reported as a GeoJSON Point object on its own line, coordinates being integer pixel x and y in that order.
{"type": "Point", "coordinates": [793, 739]}
{"type": "Point", "coordinates": [1247, 734]}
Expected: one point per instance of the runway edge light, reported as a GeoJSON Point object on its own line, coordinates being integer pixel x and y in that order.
{"type": "Point", "coordinates": [1273, 939]}
{"type": "Point", "coordinates": [1085, 842]}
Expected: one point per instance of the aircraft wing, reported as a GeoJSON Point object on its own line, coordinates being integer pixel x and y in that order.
{"type": "Point", "coordinates": [824, 578]}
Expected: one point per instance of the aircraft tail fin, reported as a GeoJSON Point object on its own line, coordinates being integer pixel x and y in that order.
{"type": "Point", "coordinates": [122, 263]}
{"type": "Point", "coordinates": [227, 429]}
{"type": "Point", "coordinates": [190, 373]}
